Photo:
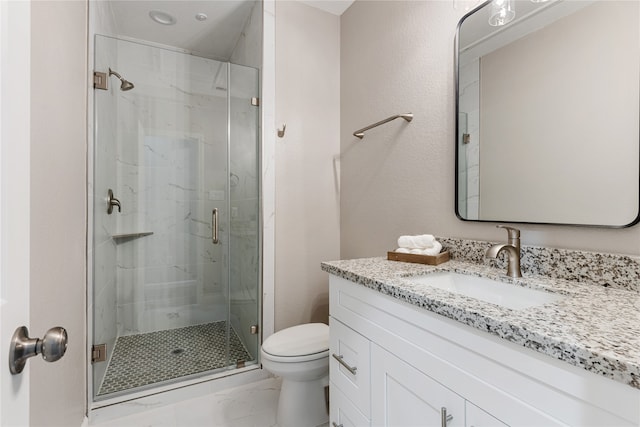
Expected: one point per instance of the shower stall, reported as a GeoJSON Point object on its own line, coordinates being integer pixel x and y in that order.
{"type": "Point", "coordinates": [175, 197]}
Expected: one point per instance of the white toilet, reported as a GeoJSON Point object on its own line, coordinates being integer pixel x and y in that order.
{"type": "Point", "coordinates": [300, 355]}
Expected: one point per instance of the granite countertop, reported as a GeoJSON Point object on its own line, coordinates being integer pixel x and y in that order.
{"type": "Point", "coordinates": [595, 328]}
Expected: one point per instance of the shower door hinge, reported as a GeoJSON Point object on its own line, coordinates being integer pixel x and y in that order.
{"type": "Point", "coordinates": [100, 80]}
{"type": "Point", "coordinates": [255, 102]}
{"type": "Point", "coordinates": [254, 329]}
{"type": "Point", "coordinates": [98, 353]}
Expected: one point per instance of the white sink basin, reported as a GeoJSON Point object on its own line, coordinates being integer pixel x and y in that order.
{"type": "Point", "coordinates": [503, 294]}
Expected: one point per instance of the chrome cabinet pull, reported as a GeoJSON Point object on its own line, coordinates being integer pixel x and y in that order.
{"type": "Point", "coordinates": [336, 425]}
{"type": "Point", "coordinates": [52, 347]}
{"type": "Point", "coordinates": [341, 361]}
{"type": "Point", "coordinates": [214, 225]}
{"type": "Point", "coordinates": [444, 418]}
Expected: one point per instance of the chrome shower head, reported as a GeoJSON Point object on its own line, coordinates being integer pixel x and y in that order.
{"type": "Point", "coordinates": [126, 85]}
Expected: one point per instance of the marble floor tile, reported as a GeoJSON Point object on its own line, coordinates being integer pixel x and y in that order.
{"type": "Point", "coordinates": [251, 405]}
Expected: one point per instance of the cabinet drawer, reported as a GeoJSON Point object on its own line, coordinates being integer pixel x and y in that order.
{"type": "Point", "coordinates": [342, 412]}
{"type": "Point", "coordinates": [349, 364]}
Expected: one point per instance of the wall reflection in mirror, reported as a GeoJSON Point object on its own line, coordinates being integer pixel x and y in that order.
{"type": "Point", "coordinates": [547, 114]}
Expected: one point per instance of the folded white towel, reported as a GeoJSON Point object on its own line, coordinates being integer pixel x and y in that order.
{"type": "Point", "coordinates": [407, 242]}
{"type": "Point", "coordinates": [402, 250]}
{"type": "Point", "coordinates": [416, 251]}
{"type": "Point", "coordinates": [425, 240]}
{"type": "Point", "coordinates": [435, 250]}
{"type": "Point", "coordinates": [422, 241]}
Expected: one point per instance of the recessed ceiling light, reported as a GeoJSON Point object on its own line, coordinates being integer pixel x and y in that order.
{"type": "Point", "coordinates": [162, 17]}
{"type": "Point", "coordinates": [201, 16]}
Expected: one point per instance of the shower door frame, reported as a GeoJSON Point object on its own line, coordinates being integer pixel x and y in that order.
{"type": "Point", "coordinates": [173, 391]}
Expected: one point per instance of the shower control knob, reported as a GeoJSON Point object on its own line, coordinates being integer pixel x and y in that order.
{"type": "Point", "coordinates": [52, 347]}
{"type": "Point", "coordinates": [111, 202]}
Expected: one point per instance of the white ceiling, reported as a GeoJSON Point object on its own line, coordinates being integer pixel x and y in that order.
{"type": "Point", "coordinates": [214, 38]}
{"type": "Point", "coordinates": [335, 7]}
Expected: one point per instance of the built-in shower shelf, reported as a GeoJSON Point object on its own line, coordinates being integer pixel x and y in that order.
{"type": "Point", "coordinates": [132, 235]}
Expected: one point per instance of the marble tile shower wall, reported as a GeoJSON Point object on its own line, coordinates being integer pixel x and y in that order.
{"type": "Point", "coordinates": [608, 270]}
{"type": "Point", "coordinates": [470, 119]}
{"type": "Point", "coordinates": [171, 169]}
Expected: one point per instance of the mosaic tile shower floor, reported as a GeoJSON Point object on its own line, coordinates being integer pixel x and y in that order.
{"type": "Point", "coordinates": [149, 358]}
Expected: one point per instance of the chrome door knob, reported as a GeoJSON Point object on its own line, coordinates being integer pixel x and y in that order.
{"type": "Point", "coordinates": [52, 347]}
{"type": "Point", "coordinates": [54, 344]}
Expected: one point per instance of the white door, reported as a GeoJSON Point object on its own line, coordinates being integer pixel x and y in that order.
{"type": "Point", "coordinates": [14, 201]}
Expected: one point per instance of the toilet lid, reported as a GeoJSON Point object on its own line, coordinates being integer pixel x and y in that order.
{"type": "Point", "coordinates": [298, 340]}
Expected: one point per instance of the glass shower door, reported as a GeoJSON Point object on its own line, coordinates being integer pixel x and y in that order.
{"type": "Point", "coordinates": [161, 283]}
{"type": "Point", "coordinates": [244, 196]}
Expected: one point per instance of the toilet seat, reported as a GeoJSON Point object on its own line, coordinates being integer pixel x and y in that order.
{"type": "Point", "coordinates": [295, 359]}
{"type": "Point", "coordinates": [298, 343]}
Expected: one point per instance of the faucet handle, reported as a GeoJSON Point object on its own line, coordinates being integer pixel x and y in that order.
{"type": "Point", "coordinates": [514, 233]}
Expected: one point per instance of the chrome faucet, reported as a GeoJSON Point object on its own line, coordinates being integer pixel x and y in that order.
{"type": "Point", "coordinates": [512, 248]}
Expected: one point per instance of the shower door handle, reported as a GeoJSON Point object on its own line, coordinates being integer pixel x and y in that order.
{"type": "Point", "coordinates": [214, 226]}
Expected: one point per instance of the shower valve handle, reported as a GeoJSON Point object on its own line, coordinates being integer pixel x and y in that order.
{"type": "Point", "coordinates": [111, 202]}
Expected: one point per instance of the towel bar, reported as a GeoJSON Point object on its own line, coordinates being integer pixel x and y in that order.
{"type": "Point", "coordinates": [360, 132]}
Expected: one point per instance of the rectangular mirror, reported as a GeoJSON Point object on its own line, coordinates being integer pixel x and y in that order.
{"type": "Point", "coordinates": [548, 110]}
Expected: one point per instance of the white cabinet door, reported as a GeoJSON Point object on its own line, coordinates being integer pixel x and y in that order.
{"type": "Point", "coordinates": [343, 412]}
{"type": "Point", "coordinates": [476, 417]}
{"type": "Point", "coordinates": [402, 396]}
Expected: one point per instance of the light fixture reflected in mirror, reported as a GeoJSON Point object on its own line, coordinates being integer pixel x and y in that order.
{"type": "Point", "coordinates": [502, 12]}
{"type": "Point", "coordinates": [466, 5]}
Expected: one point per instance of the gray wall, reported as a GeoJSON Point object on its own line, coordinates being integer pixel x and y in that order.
{"type": "Point", "coordinates": [397, 56]}
{"type": "Point", "coordinates": [307, 198]}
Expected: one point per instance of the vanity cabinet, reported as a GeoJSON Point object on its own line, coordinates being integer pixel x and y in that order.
{"type": "Point", "coordinates": [402, 395]}
{"type": "Point", "coordinates": [395, 364]}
